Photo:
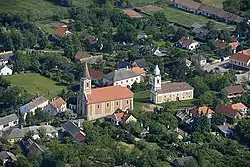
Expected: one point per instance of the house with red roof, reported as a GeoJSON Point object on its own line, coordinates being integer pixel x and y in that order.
{"type": "Point", "coordinates": [96, 76]}
{"type": "Point", "coordinates": [227, 111]}
{"type": "Point", "coordinates": [240, 107]}
{"type": "Point", "coordinates": [233, 91]}
{"type": "Point", "coordinates": [56, 106]}
{"type": "Point", "coordinates": [61, 31]}
{"type": "Point", "coordinates": [101, 102]}
{"type": "Point", "coordinates": [119, 117]}
{"type": "Point", "coordinates": [131, 13]}
{"type": "Point", "coordinates": [241, 59]}
{"type": "Point", "coordinates": [222, 44]}
{"type": "Point", "coordinates": [188, 43]}
{"type": "Point", "coordinates": [202, 110]}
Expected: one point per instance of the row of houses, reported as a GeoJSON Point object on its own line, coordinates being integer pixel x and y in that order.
{"type": "Point", "coordinates": [206, 10]}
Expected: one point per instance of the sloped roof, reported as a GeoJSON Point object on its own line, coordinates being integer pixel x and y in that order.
{"type": "Point", "coordinates": [82, 55]}
{"type": "Point", "coordinates": [203, 110]}
{"type": "Point", "coordinates": [34, 103]}
{"type": "Point", "coordinates": [141, 63]}
{"type": "Point", "coordinates": [234, 89]}
{"type": "Point", "coordinates": [109, 93]}
{"type": "Point", "coordinates": [138, 70]}
{"type": "Point", "coordinates": [234, 45]}
{"type": "Point", "coordinates": [174, 87]}
{"type": "Point", "coordinates": [239, 106]}
{"type": "Point", "coordinates": [94, 74]}
{"type": "Point", "coordinates": [123, 64]}
{"type": "Point", "coordinates": [8, 118]}
{"type": "Point", "coordinates": [181, 161]}
{"type": "Point", "coordinates": [226, 111]}
{"type": "Point", "coordinates": [212, 10]}
{"type": "Point", "coordinates": [58, 103]}
{"type": "Point", "coordinates": [6, 55]}
{"type": "Point", "coordinates": [121, 74]}
{"type": "Point", "coordinates": [61, 31]}
{"type": "Point", "coordinates": [186, 41]}
{"type": "Point", "coordinates": [241, 57]}
{"type": "Point", "coordinates": [132, 14]}
{"type": "Point", "coordinates": [74, 131]}
{"type": "Point", "coordinates": [188, 3]}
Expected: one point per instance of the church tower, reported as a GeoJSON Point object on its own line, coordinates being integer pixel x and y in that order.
{"type": "Point", "coordinates": [156, 83]}
{"type": "Point", "coordinates": [85, 86]}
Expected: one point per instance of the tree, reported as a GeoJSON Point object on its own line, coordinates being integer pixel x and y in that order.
{"type": "Point", "coordinates": [209, 98]}
{"type": "Point", "coordinates": [42, 132]}
{"type": "Point", "coordinates": [201, 124]}
{"type": "Point", "coordinates": [217, 119]}
{"type": "Point", "coordinates": [200, 86]}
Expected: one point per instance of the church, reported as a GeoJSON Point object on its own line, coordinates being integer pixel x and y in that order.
{"type": "Point", "coordinates": [169, 91]}
{"type": "Point", "coordinates": [101, 102]}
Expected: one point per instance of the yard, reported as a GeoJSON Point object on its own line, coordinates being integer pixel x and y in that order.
{"type": "Point", "coordinates": [36, 84]}
{"type": "Point", "coordinates": [215, 3]}
{"type": "Point", "coordinates": [141, 99]}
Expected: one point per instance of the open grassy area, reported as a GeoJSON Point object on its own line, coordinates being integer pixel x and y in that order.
{"type": "Point", "coordinates": [140, 99]}
{"type": "Point", "coordinates": [48, 29]}
{"type": "Point", "coordinates": [215, 3]}
{"type": "Point", "coordinates": [36, 84]}
{"type": "Point", "coordinates": [140, 2]}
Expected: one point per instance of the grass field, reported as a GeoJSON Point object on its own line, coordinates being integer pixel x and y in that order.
{"type": "Point", "coordinates": [141, 98]}
{"type": "Point", "coordinates": [46, 28]}
{"type": "Point", "coordinates": [36, 84]}
{"type": "Point", "coordinates": [142, 2]}
{"type": "Point", "coordinates": [215, 3]}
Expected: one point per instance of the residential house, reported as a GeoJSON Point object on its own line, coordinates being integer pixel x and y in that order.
{"type": "Point", "coordinates": [5, 57]}
{"type": "Point", "coordinates": [67, 21]}
{"type": "Point", "coordinates": [61, 31]}
{"type": "Point", "coordinates": [140, 63]}
{"type": "Point", "coordinates": [233, 91]}
{"type": "Point", "coordinates": [8, 121]}
{"type": "Point", "coordinates": [188, 43]}
{"type": "Point", "coordinates": [87, 57]}
{"type": "Point", "coordinates": [132, 14]}
{"type": "Point", "coordinates": [187, 62]}
{"type": "Point", "coordinates": [166, 92]}
{"type": "Point", "coordinates": [7, 158]}
{"type": "Point", "coordinates": [181, 162]}
{"type": "Point", "coordinates": [222, 44]}
{"type": "Point", "coordinates": [139, 71]}
{"type": "Point", "coordinates": [200, 32]}
{"type": "Point", "coordinates": [5, 70]}
{"type": "Point", "coordinates": [74, 131]}
{"type": "Point", "coordinates": [100, 102]}
{"type": "Point", "coordinates": [225, 130]}
{"type": "Point", "coordinates": [228, 112]}
{"type": "Point", "coordinates": [31, 148]}
{"type": "Point", "coordinates": [203, 110]}
{"type": "Point", "coordinates": [16, 134]}
{"type": "Point", "coordinates": [181, 133]}
{"type": "Point", "coordinates": [92, 42]}
{"type": "Point", "coordinates": [185, 115]}
{"type": "Point", "coordinates": [240, 107]}
{"type": "Point", "coordinates": [32, 106]}
{"type": "Point", "coordinates": [123, 77]}
{"type": "Point", "coordinates": [124, 64]}
{"type": "Point", "coordinates": [56, 106]}
{"type": "Point", "coordinates": [158, 53]}
{"type": "Point", "coordinates": [187, 5]}
{"type": "Point", "coordinates": [198, 60]}
{"type": "Point", "coordinates": [119, 117]}
{"type": "Point", "coordinates": [241, 59]}
{"type": "Point", "coordinates": [96, 76]}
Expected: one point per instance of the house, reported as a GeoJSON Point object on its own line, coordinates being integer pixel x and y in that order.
{"type": "Point", "coordinates": [188, 43]}
{"type": "Point", "coordinates": [5, 57]}
{"type": "Point", "coordinates": [31, 148]}
{"type": "Point", "coordinates": [203, 110]}
{"type": "Point", "coordinates": [100, 102]}
{"type": "Point", "coordinates": [158, 53]}
{"type": "Point", "coordinates": [181, 133]}
{"type": "Point", "coordinates": [184, 161]}
{"type": "Point", "coordinates": [234, 46]}
{"type": "Point", "coordinates": [139, 71]}
{"type": "Point", "coordinates": [32, 106]}
{"type": "Point", "coordinates": [140, 63]}
{"type": "Point", "coordinates": [8, 121]}
{"type": "Point", "coordinates": [96, 76]}
{"type": "Point", "coordinates": [187, 5]}
{"type": "Point", "coordinates": [123, 77]}
{"type": "Point", "coordinates": [198, 60]}
{"type": "Point", "coordinates": [222, 44]}
{"type": "Point", "coordinates": [74, 131]}
{"type": "Point", "coordinates": [56, 106]}
{"type": "Point", "coordinates": [119, 117]}
{"type": "Point", "coordinates": [240, 107]}
{"type": "Point", "coordinates": [124, 64]}
{"type": "Point", "coordinates": [131, 13]}
{"type": "Point", "coordinates": [166, 92]}
{"type": "Point", "coordinates": [7, 158]}
{"type": "Point", "coordinates": [200, 32]}
{"type": "Point", "coordinates": [227, 111]}
{"type": "Point", "coordinates": [185, 115]}
{"type": "Point", "coordinates": [88, 57]}
{"type": "Point", "coordinates": [92, 41]}
{"type": "Point", "coordinates": [233, 91]}
{"type": "Point", "coordinates": [16, 134]}
{"type": "Point", "coordinates": [225, 130]}
{"type": "Point", "coordinates": [241, 59]}
{"type": "Point", "coordinates": [187, 62]}
{"type": "Point", "coordinates": [62, 30]}
{"type": "Point", "coordinates": [5, 70]}
{"type": "Point", "coordinates": [67, 21]}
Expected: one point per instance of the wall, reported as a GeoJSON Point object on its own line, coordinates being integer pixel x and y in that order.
{"type": "Point", "coordinates": [128, 82]}
{"type": "Point", "coordinates": [42, 105]}
{"type": "Point", "coordinates": [6, 71]}
{"type": "Point", "coordinates": [239, 63]}
{"type": "Point", "coordinates": [10, 124]}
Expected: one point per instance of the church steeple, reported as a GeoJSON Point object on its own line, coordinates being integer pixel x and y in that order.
{"type": "Point", "coordinates": [86, 80]}
{"type": "Point", "coordinates": [156, 83]}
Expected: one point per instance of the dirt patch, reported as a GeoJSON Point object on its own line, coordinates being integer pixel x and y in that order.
{"type": "Point", "coordinates": [150, 107]}
{"type": "Point", "coordinates": [150, 8]}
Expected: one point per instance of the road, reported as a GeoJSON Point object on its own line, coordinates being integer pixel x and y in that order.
{"type": "Point", "coordinates": [210, 67]}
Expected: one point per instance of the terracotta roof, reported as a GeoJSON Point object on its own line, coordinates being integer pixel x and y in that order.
{"type": "Point", "coordinates": [204, 110]}
{"type": "Point", "coordinates": [188, 3]}
{"type": "Point", "coordinates": [95, 74]}
{"type": "Point", "coordinates": [109, 93]}
{"type": "Point", "coordinates": [58, 103]}
{"type": "Point", "coordinates": [186, 41]}
{"type": "Point", "coordinates": [239, 106]}
{"type": "Point", "coordinates": [240, 57]}
{"type": "Point", "coordinates": [138, 70]}
{"type": "Point", "coordinates": [132, 14]}
{"type": "Point", "coordinates": [61, 31]}
{"type": "Point", "coordinates": [234, 45]}
{"type": "Point", "coordinates": [174, 87]}
{"type": "Point", "coordinates": [82, 55]}
{"type": "Point", "coordinates": [246, 52]}
{"type": "Point", "coordinates": [226, 111]}
{"type": "Point", "coordinates": [120, 115]}
{"type": "Point", "coordinates": [222, 44]}
{"type": "Point", "coordinates": [234, 89]}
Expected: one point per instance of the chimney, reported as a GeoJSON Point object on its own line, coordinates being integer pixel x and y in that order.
{"type": "Point", "coordinates": [79, 123]}
{"type": "Point", "coordinates": [177, 129]}
{"type": "Point", "coordinates": [188, 37]}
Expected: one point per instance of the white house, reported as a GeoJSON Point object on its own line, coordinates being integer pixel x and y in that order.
{"type": "Point", "coordinates": [8, 121]}
{"type": "Point", "coordinates": [199, 60]}
{"type": "Point", "coordinates": [123, 77]}
{"type": "Point", "coordinates": [188, 43]}
{"type": "Point", "coordinates": [56, 106]}
{"type": "Point", "coordinates": [5, 70]}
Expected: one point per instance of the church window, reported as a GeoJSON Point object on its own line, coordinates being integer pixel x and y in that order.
{"type": "Point", "coordinates": [87, 84]}
{"type": "Point", "coordinates": [98, 106]}
{"type": "Point", "coordinates": [117, 103]}
{"type": "Point", "coordinates": [158, 81]}
{"type": "Point", "coordinates": [107, 104]}
{"type": "Point", "coordinates": [127, 101]}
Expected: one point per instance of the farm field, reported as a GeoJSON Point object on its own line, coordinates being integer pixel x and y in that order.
{"type": "Point", "coordinates": [36, 84]}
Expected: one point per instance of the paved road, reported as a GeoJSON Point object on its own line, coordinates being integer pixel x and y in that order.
{"type": "Point", "coordinates": [210, 67]}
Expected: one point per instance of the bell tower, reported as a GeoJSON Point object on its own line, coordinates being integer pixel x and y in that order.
{"type": "Point", "coordinates": [85, 85]}
{"type": "Point", "coordinates": [156, 83]}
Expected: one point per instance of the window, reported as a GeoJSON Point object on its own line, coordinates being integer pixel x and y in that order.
{"type": "Point", "coordinates": [87, 84]}
{"type": "Point", "coordinates": [121, 82]}
{"type": "Point", "coordinates": [127, 81]}
{"type": "Point", "coordinates": [136, 78]}
{"type": "Point", "coordinates": [127, 101]}
{"type": "Point", "coordinates": [158, 81]}
{"type": "Point", "coordinates": [117, 103]}
{"type": "Point", "coordinates": [107, 104]}
{"type": "Point", "coordinates": [98, 106]}
{"type": "Point", "coordinates": [132, 80]}
{"type": "Point", "coordinates": [15, 122]}
{"type": "Point", "coordinates": [6, 125]}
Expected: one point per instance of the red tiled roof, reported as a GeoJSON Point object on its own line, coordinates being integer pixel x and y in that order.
{"type": "Point", "coordinates": [204, 110]}
{"type": "Point", "coordinates": [226, 111]}
{"type": "Point", "coordinates": [186, 41]}
{"type": "Point", "coordinates": [239, 106]}
{"type": "Point", "coordinates": [95, 74]}
{"type": "Point", "coordinates": [188, 3]}
{"type": "Point", "coordinates": [234, 45]}
{"type": "Point", "coordinates": [241, 57]}
{"type": "Point", "coordinates": [81, 55]}
{"type": "Point", "coordinates": [234, 89]}
{"type": "Point", "coordinates": [132, 14]}
{"type": "Point", "coordinates": [138, 70]}
{"type": "Point", "coordinates": [120, 115]}
{"type": "Point", "coordinates": [58, 103]}
{"type": "Point", "coordinates": [61, 31]}
{"type": "Point", "coordinates": [222, 44]}
{"type": "Point", "coordinates": [109, 93]}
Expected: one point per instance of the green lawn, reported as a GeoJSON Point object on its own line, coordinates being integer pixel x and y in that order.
{"type": "Point", "coordinates": [36, 84]}
{"type": "Point", "coordinates": [141, 98]}
{"type": "Point", "coordinates": [187, 19]}
{"type": "Point", "coordinates": [215, 3]}
{"type": "Point", "coordinates": [143, 2]}
{"type": "Point", "coordinates": [48, 29]}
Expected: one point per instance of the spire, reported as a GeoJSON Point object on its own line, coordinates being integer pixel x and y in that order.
{"type": "Point", "coordinates": [86, 71]}
{"type": "Point", "coordinates": [157, 70]}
